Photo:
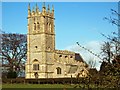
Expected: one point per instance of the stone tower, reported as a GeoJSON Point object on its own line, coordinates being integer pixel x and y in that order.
{"type": "Point", "coordinates": [43, 60]}
{"type": "Point", "coordinates": [40, 42]}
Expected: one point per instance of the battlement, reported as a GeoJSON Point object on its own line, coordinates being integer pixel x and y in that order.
{"type": "Point", "coordinates": [36, 12]}
{"type": "Point", "coordinates": [64, 52]}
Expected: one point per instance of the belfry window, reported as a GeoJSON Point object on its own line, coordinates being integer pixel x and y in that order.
{"type": "Point", "coordinates": [34, 26]}
{"type": "Point", "coordinates": [35, 66]}
{"type": "Point", "coordinates": [38, 25]}
{"type": "Point", "coordinates": [58, 70]}
{"type": "Point", "coordinates": [50, 28]}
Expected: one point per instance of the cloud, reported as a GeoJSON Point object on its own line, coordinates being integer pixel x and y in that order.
{"type": "Point", "coordinates": [94, 46]}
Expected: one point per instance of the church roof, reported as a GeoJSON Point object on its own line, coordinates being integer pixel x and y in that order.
{"type": "Point", "coordinates": [78, 57]}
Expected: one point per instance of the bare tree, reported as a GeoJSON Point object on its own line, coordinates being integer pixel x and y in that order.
{"type": "Point", "coordinates": [92, 63]}
{"type": "Point", "coordinates": [111, 48]}
{"type": "Point", "coordinates": [110, 67]}
{"type": "Point", "coordinates": [13, 51]}
{"type": "Point", "coordinates": [106, 52]}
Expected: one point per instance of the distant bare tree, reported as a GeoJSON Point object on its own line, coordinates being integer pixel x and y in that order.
{"type": "Point", "coordinates": [106, 51]}
{"type": "Point", "coordinates": [92, 63]}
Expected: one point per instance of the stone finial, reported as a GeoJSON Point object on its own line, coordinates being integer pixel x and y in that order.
{"type": "Point", "coordinates": [48, 8]}
{"type": "Point", "coordinates": [52, 8]}
{"type": "Point", "coordinates": [44, 9]}
{"type": "Point", "coordinates": [29, 6]}
{"type": "Point", "coordinates": [29, 11]}
{"type": "Point", "coordinates": [44, 5]}
{"type": "Point", "coordinates": [33, 11]}
{"type": "Point", "coordinates": [37, 9]}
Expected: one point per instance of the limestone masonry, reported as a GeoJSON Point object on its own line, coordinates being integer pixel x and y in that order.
{"type": "Point", "coordinates": [43, 60]}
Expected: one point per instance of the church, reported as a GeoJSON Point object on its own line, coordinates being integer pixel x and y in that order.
{"type": "Point", "coordinates": [43, 60]}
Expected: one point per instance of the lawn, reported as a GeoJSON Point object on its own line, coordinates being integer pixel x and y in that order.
{"type": "Point", "coordinates": [49, 86]}
{"type": "Point", "coordinates": [37, 86]}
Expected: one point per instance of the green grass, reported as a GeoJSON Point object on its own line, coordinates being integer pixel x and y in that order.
{"type": "Point", "coordinates": [48, 86]}
{"type": "Point", "coordinates": [36, 86]}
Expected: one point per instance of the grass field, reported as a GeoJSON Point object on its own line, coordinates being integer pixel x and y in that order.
{"type": "Point", "coordinates": [51, 86]}
{"type": "Point", "coordinates": [36, 86]}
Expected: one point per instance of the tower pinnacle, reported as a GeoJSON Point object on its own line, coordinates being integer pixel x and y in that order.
{"type": "Point", "coordinates": [37, 9]}
{"type": "Point", "coordinates": [29, 11]}
{"type": "Point", "coordinates": [44, 5]}
{"type": "Point", "coordinates": [44, 8]}
{"type": "Point", "coordinates": [53, 10]}
{"type": "Point", "coordinates": [48, 8]}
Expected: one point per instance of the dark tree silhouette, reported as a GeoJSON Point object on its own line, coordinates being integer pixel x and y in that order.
{"type": "Point", "coordinates": [111, 48]}
{"type": "Point", "coordinates": [13, 51]}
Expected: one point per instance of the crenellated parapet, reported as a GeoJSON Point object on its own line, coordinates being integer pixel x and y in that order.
{"type": "Point", "coordinates": [41, 21]}
{"type": "Point", "coordinates": [44, 12]}
{"type": "Point", "coordinates": [64, 52]}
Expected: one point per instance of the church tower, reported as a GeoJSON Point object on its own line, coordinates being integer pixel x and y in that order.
{"type": "Point", "coordinates": [40, 42]}
{"type": "Point", "coordinates": [43, 60]}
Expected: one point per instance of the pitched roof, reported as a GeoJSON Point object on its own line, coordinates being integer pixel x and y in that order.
{"type": "Point", "coordinates": [78, 57]}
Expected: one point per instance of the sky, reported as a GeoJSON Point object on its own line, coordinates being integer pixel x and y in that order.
{"type": "Point", "coordinates": [74, 22]}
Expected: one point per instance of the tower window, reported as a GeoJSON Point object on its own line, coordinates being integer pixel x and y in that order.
{"type": "Point", "coordinates": [38, 25]}
{"type": "Point", "coordinates": [58, 70]}
{"type": "Point", "coordinates": [34, 26]}
{"type": "Point", "coordinates": [35, 66]}
{"type": "Point", "coordinates": [50, 28]}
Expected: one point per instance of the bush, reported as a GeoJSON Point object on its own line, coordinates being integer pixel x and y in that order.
{"type": "Point", "coordinates": [11, 74]}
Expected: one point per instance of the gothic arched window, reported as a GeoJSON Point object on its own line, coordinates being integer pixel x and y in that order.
{"type": "Point", "coordinates": [38, 25]}
{"type": "Point", "coordinates": [47, 26]}
{"type": "Point", "coordinates": [50, 27]}
{"type": "Point", "coordinates": [58, 70]}
{"type": "Point", "coordinates": [34, 26]}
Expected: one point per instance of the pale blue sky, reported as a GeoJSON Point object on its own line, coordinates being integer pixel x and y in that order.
{"type": "Point", "coordinates": [74, 21]}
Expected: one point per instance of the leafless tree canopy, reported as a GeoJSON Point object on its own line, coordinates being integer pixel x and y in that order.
{"type": "Point", "coordinates": [92, 63]}
{"type": "Point", "coordinates": [111, 48]}
{"type": "Point", "coordinates": [13, 51]}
